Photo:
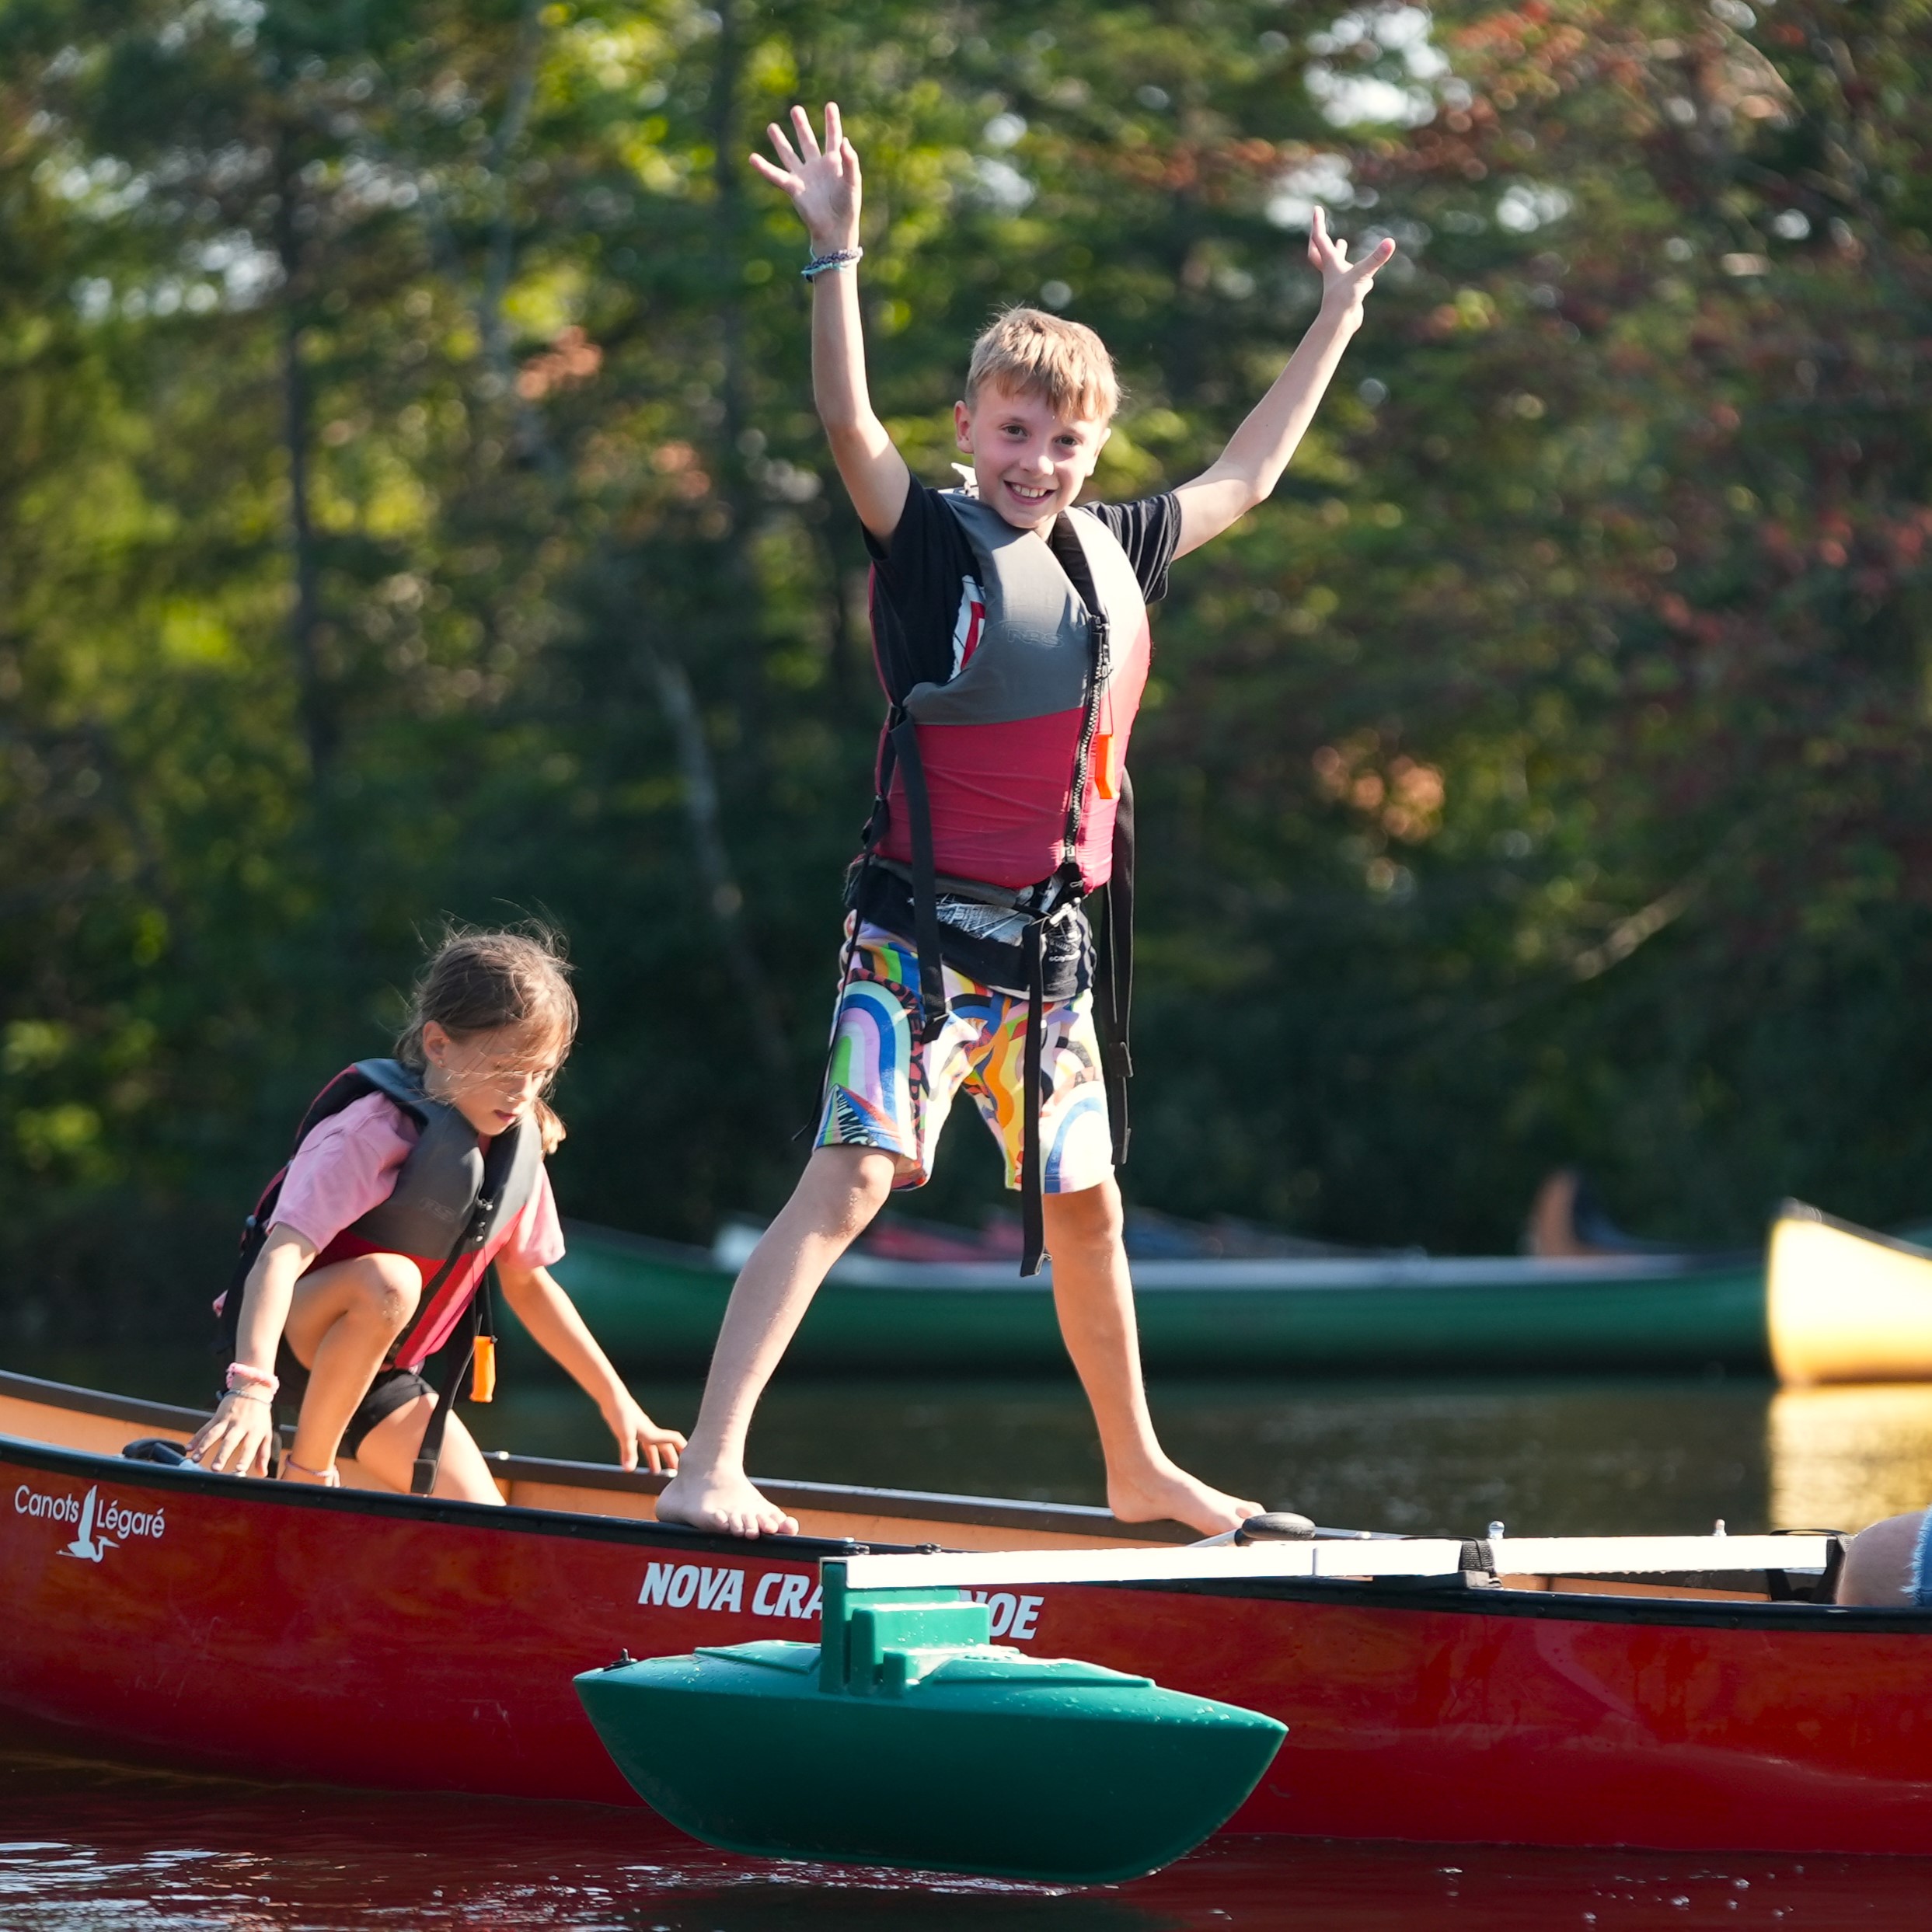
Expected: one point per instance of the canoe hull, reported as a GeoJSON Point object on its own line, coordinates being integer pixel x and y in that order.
{"type": "Point", "coordinates": [241, 1627]}
{"type": "Point", "coordinates": [652, 1301]}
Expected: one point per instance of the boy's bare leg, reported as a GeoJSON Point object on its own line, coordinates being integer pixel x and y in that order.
{"type": "Point", "coordinates": [839, 1192]}
{"type": "Point", "coordinates": [1094, 1297]}
{"type": "Point", "coordinates": [342, 1320]}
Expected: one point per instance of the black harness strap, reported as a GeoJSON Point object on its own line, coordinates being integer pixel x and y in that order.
{"type": "Point", "coordinates": [1032, 1182]}
{"type": "Point", "coordinates": [429, 1453]}
{"type": "Point", "coordinates": [904, 739]}
{"type": "Point", "coordinates": [498, 1166]}
{"type": "Point", "coordinates": [870, 836]}
{"type": "Point", "coordinates": [1114, 976]}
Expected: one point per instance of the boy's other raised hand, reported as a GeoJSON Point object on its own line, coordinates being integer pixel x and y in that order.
{"type": "Point", "coordinates": [823, 182]}
{"type": "Point", "coordinates": [1344, 283]}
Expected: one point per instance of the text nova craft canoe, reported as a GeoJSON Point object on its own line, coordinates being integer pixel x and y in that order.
{"type": "Point", "coordinates": [1676, 1693]}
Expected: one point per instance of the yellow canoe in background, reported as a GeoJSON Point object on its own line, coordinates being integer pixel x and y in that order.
{"type": "Point", "coordinates": [1843, 1304]}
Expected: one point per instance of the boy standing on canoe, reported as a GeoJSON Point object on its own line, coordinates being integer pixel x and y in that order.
{"type": "Point", "coordinates": [1011, 635]}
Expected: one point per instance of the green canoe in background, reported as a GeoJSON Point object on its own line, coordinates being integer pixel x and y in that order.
{"type": "Point", "coordinates": [657, 1305]}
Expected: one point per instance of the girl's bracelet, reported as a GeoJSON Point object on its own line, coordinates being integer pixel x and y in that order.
{"type": "Point", "coordinates": [246, 1395]}
{"type": "Point", "coordinates": [836, 258]}
{"type": "Point", "coordinates": [246, 1374]}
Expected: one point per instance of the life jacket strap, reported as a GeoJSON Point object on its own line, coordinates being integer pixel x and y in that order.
{"type": "Point", "coordinates": [1032, 1185]}
{"type": "Point", "coordinates": [456, 1364]}
{"type": "Point", "coordinates": [429, 1454]}
{"type": "Point", "coordinates": [1051, 895]}
{"type": "Point", "coordinates": [904, 739]}
{"type": "Point", "coordinates": [1114, 974]}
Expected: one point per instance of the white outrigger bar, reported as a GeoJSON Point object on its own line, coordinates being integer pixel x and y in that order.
{"type": "Point", "coordinates": [1420, 1556]}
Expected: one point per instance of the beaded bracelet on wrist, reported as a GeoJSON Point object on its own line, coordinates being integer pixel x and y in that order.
{"type": "Point", "coordinates": [834, 258]}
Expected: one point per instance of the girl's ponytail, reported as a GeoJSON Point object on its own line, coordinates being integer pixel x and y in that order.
{"type": "Point", "coordinates": [550, 1127]}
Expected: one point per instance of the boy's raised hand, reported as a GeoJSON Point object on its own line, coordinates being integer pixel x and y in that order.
{"type": "Point", "coordinates": [1247, 470]}
{"type": "Point", "coordinates": [824, 183]}
{"type": "Point", "coordinates": [1344, 283]}
{"type": "Point", "coordinates": [825, 187]}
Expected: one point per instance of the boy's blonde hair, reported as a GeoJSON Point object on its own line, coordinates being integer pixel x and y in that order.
{"type": "Point", "coordinates": [1064, 363]}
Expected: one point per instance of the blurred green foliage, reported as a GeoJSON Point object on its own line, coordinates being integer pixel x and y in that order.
{"type": "Point", "coordinates": [410, 504]}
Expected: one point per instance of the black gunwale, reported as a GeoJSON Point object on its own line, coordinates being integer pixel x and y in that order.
{"type": "Point", "coordinates": [1448, 1596]}
{"type": "Point", "coordinates": [924, 1505]}
{"type": "Point", "coordinates": [512, 1517]}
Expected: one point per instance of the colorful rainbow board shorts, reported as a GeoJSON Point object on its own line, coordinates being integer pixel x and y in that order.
{"type": "Point", "coordinates": [888, 1090]}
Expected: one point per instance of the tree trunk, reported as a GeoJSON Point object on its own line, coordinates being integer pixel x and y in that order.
{"type": "Point", "coordinates": [318, 718]}
{"type": "Point", "coordinates": [722, 893]}
{"type": "Point", "coordinates": [672, 686]}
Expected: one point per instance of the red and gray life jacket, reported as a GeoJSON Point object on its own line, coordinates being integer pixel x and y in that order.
{"type": "Point", "coordinates": [1008, 783]}
{"type": "Point", "coordinates": [1023, 747]}
{"type": "Point", "coordinates": [453, 1209]}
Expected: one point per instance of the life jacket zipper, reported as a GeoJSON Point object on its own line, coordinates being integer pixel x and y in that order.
{"type": "Point", "coordinates": [1100, 668]}
{"type": "Point", "coordinates": [1083, 751]}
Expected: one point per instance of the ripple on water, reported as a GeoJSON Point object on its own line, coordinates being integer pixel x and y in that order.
{"type": "Point", "coordinates": [90, 1849]}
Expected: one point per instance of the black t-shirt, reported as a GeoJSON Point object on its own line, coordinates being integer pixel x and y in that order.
{"type": "Point", "coordinates": [920, 612]}
{"type": "Point", "coordinates": [919, 579]}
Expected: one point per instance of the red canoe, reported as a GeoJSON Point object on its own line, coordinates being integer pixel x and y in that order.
{"type": "Point", "coordinates": [374, 1640]}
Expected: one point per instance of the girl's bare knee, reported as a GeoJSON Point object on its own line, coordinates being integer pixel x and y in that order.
{"type": "Point", "coordinates": [388, 1286]}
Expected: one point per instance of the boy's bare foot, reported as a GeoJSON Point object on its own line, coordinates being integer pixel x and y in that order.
{"type": "Point", "coordinates": [727, 1505]}
{"type": "Point", "coordinates": [1170, 1494]}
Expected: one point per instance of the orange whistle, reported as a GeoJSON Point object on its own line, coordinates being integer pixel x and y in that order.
{"type": "Point", "coordinates": [1103, 779]}
{"type": "Point", "coordinates": [483, 1373]}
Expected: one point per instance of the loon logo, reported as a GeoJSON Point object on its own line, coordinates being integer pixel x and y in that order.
{"type": "Point", "coordinates": [88, 1547]}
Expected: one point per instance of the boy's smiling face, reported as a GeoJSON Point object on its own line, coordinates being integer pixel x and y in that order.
{"type": "Point", "coordinates": [1029, 460]}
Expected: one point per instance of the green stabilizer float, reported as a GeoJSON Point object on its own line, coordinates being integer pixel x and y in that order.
{"type": "Point", "coordinates": [908, 1739]}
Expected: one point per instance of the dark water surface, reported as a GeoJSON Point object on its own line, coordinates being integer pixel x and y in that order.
{"type": "Point", "coordinates": [84, 1850]}
{"type": "Point", "coordinates": [90, 1847]}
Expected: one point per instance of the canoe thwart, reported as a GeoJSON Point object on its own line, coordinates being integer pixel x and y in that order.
{"type": "Point", "coordinates": [1220, 1560]}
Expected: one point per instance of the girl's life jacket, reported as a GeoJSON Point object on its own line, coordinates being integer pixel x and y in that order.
{"type": "Point", "coordinates": [454, 1206]}
{"type": "Point", "coordinates": [1008, 783]}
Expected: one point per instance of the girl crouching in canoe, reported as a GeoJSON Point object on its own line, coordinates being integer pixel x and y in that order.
{"type": "Point", "coordinates": [411, 1177]}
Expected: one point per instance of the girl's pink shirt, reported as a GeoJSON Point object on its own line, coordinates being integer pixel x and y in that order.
{"type": "Point", "coordinates": [348, 1163]}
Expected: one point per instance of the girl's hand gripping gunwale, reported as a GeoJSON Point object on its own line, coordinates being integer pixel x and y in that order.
{"type": "Point", "coordinates": [238, 1438]}
{"type": "Point", "coordinates": [639, 1439]}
